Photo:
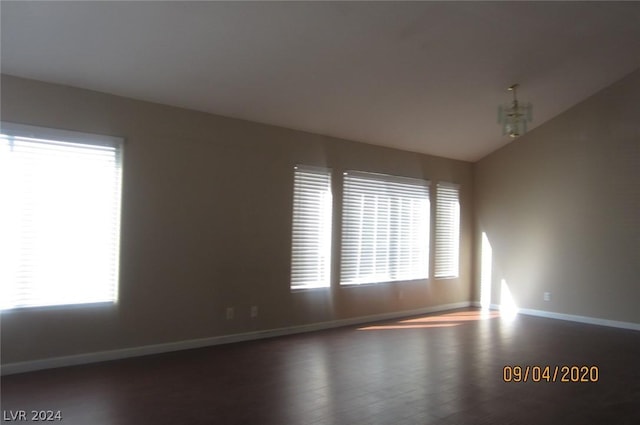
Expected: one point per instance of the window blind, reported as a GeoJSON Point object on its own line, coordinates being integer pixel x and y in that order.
{"type": "Point", "coordinates": [311, 238]}
{"type": "Point", "coordinates": [60, 217]}
{"type": "Point", "coordinates": [385, 228]}
{"type": "Point", "coordinates": [447, 230]}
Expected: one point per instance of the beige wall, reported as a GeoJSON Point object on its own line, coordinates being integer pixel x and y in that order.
{"type": "Point", "coordinates": [206, 224]}
{"type": "Point", "coordinates": [561, 205]}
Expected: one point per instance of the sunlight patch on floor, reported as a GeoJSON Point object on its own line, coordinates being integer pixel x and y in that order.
{"type": "Point", "coordinates": [446, 320]}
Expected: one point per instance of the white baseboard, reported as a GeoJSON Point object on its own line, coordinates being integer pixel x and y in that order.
{"type": "Point", "coordinates": [101, 356]}
{"type": "Point", "coordinates": [569, 317]}
{"type": "Point", "coordinates": [581, 319]}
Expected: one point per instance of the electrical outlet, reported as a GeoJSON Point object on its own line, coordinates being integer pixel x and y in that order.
{"type": "Point", "coordinates": [546, 296]}
{"type": "Point", "coordinates": [253, 312]}
{"type": "Point", "coordinates": [229, 313]}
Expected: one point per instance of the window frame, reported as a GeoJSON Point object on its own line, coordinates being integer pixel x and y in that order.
{"type": "Point", "coordinates": [417, 197]}
{"type": "Point", "coordinates": [322, 261]}
{"type": "Point", "coordinates": [447, 262]}
{"type": "Point", "coordinates": [50, 138]}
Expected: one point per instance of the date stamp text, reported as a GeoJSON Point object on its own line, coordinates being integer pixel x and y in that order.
{"type": "Point", "coordinates": [550, 373]}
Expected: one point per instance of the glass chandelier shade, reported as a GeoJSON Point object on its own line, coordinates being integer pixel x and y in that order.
{"type": "Point", "coordinates": [514, 116]}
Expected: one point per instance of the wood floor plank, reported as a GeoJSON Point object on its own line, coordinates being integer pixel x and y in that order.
{"type": "Point", "coordinates": [439, 369]}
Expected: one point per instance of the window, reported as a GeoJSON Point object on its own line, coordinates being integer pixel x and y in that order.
{"type": "Point", "coordinates": [59, 221]}
{"type": "Point", "coordinates": [385, 228]}
{"type": "Point", "coordinates": [447, 230]}
{"type": "Point", "coordinates": [311, 238]}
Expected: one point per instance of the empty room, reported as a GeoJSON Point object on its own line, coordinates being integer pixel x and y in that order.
{"type": "Point", "coordinates": [320, 212]}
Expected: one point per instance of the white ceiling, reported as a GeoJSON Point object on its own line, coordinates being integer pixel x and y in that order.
{"type": "Point", "coordinates": [419, 76]}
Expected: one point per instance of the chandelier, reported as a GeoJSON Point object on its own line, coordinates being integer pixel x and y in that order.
{"type": "Point", "coordinates": [514, 116]}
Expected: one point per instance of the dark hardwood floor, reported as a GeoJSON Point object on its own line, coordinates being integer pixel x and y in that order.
{"type": "Point", "coordinates": [438, 369]}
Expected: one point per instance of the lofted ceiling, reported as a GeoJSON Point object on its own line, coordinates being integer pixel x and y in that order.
{"type": "Point", "coordinates": [419, 76]}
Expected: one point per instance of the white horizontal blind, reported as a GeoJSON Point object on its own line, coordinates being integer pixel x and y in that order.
{"type": "Point", "coordinates": [385, 229]}
{"type": "Point", "coordinates": [447, 230]}
{"type": "Point", "coordinates": [311, 238]}
{"type": "Point", "coordinates": [60, 217]}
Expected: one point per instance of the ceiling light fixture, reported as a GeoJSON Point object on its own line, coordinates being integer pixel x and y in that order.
{"type": "Point", "coordinates": [514, 116]}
